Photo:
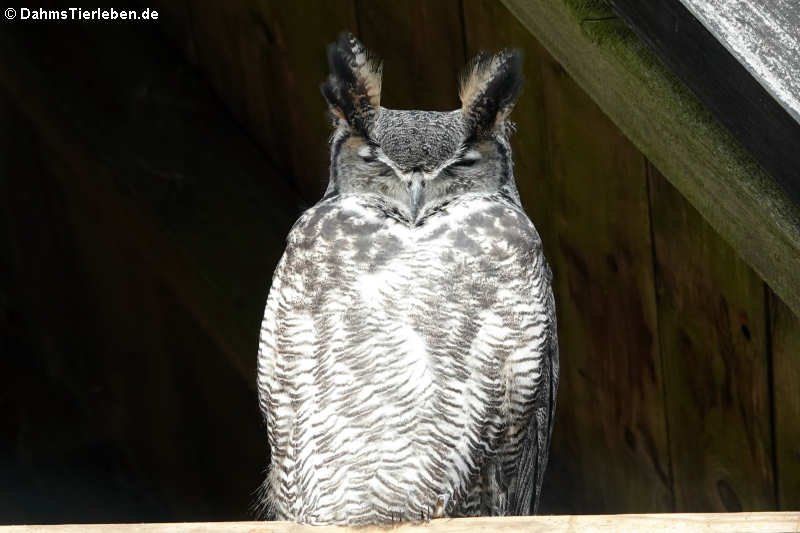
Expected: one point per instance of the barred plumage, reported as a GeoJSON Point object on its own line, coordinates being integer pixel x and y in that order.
{"type": "Point", "coordinates": [408, 361]}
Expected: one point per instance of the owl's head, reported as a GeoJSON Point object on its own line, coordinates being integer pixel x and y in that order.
{"type": "Point", "coordinates": [419, 159]}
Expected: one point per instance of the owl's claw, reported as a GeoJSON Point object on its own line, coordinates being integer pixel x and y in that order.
{"type": "Point", "coordinates": [441, 506]}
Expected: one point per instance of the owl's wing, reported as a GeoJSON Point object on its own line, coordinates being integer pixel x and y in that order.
{"type": "Point", "coordinates": [266, 342]}
{"type": "Point", "coordinates": [265, 376]}
{"type": "Point", "coordinates": [527, 485]}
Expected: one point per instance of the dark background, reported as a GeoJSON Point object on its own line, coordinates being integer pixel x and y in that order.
{"type": "Point", "coordinates": [149, 172]}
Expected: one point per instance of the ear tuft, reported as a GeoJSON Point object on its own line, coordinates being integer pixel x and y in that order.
{"type": "Point", "coordinates": [489, 88]}
{"type": "Point", "coordinates": [353, 87]}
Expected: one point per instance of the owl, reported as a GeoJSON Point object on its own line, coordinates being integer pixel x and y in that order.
{"type": "Point", "coordinates": [408, 357]}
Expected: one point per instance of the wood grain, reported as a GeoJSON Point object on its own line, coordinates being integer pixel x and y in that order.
{"type": "Point", "coordinates": [713, 334]}
{"type": "Point", "coordinates": [421, 43]}
{"type": "Point", "coordinates": [764, 37]}
{"type": "Point", "coordinates": [636, 523]}
{"type": "Point", "coordinates": [610, 439]}
{"type": "Point", "coordinates": [266, 61]}
{"type": "Point", "coordinates": [785, 329]}
{"type": "Point", "coordinates": [673, 129]}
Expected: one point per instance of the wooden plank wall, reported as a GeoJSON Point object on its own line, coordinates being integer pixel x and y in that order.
{"type": "Point", "coordinates": [679, 366]}
{"type": "Point", "coordinates": [785, 352]}
{"type": "Point", "coordinates": [104, 417]}
{"type": "Point", "coordinates": [138, 230]}
{"type": "Point", "coordinates": [713, 333]}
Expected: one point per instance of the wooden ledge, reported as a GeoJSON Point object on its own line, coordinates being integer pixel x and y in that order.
{"type": "Point", "coordinates": [670, 126]}
{"type": "Point", "coordinates": [705, 522]}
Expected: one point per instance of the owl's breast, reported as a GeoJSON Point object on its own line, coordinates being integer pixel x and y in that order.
{"type": "Point", "coordinates": [370, 230]}
{"type": "Point", "coordinates": [412, 298]}
{"type": "Point", "coordinates": [393, 341]}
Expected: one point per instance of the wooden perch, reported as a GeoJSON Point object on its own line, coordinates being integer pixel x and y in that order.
{"type": "Point", "coordinates": [705, 522]}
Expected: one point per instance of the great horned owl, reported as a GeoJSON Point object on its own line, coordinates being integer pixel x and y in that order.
{"type": "Point", "coordinates": [408, 359]}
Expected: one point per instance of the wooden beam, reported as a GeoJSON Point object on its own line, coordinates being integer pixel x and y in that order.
{"type": "Point", "coordinates": [634, 523]}
{"type": "Point", "coordinates": [680, 31]}
{"type": "Point", "coordinates": [764, 38]}
{"type": "Point", "coordinates": [676, 132]}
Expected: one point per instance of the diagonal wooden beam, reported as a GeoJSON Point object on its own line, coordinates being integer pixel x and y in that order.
{"type": "Point", "coordinates": [670, 126]}
{"type": "Point", "coordinates": [753, 94]}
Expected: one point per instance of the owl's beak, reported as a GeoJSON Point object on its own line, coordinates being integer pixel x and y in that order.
{"type": "Point", "coordinates": [416, 193]}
